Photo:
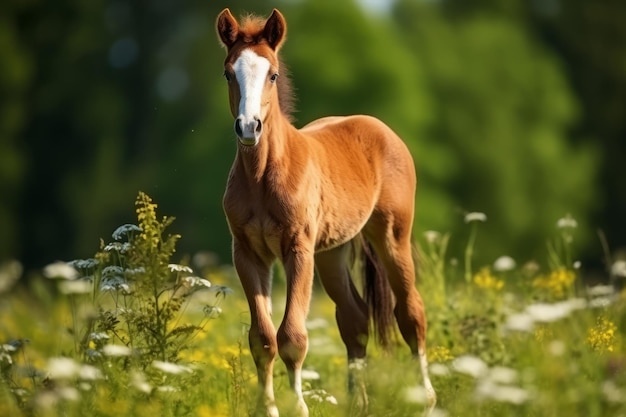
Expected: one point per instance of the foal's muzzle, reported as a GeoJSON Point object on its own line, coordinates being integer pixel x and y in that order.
{"type": "Point", "coordinates": [248, 131]}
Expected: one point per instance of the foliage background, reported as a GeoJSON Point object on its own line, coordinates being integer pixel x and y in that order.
{"type": "Point", "coordinates": [513, 108]}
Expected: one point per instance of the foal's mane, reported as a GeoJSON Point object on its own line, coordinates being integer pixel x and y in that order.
{"type": "Point", "coordinates": [251, 32]}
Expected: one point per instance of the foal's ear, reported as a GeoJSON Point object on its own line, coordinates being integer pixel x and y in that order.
{"type": "Point", "coordinates": [275, 30]}
{"type": "Point", "coordinates": [227, 28]}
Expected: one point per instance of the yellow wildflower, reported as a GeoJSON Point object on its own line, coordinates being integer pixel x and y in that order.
{"type": "Point", "coordinates": [602, 337]}
{"type": "Point", "coordinates": [439, 354]}
{"type": "Point", "coordinates": [556, 282]}
{"type": "Point", "coordinates": [484, 279]}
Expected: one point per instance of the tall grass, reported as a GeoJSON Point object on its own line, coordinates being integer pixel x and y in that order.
{"type": "Point", "coordinates": [129, 332]}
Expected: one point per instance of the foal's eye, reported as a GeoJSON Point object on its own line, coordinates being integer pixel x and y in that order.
{"type": "Point", "coordinates": [227, 76]}
{"type": "Point", "coordinates": [274, 77]}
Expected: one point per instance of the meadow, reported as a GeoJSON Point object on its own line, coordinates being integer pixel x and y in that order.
{"type": "Point", "coordinates": [135, 331]}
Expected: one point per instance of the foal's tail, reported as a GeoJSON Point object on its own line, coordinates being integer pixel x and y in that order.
{"type": "Point", "coordinates": [378, 295]}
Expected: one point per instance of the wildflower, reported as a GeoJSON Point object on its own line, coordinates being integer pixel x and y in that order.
{"type": "Point", "coordinates": [613, 393]}
{"type": "Point", "coordinates": [77, 286]}
{"type": "Point", "coordinates": [192, 281]}
{"type": "Point", "coordinates": [567, 222]}
{"type": "Point", "coordinates": [138, 380]}
{"type": "Point", "coordinates": [618, 269]}
{"type": "Point", "coordinates": [179, 268]}
{"type": "Point", "coordinates": [504, 263]}
{"type": "Point", "coordinates": [484, 279]}
{"type": "Point", "coordinates": [125, 230]}
{"type": "Point", "coordinates": [320, 395]}
{"type": "Point", "coordinates": [432, 236]}
{"type": "Point", "coordinates": [117, 247]}
{"type": "Point", "coordinates": [487, 389]}
{"type": "Point", "coordinates": [61, 270]}
{"type": "Point", "coordinates": [89, 373]}
{"type": "Point", "coordinates": [602, 337]}
{"type": "Point", "coordinates": [439, 369]}
{"type": "Point", "coordinates": [556, 283]}
{"type": "Point", "coordinates": [84, 263]}
{"type": "Point", "coordinates": [113, 271]}
{"type": "Point", "coordinates": [114, 284]}
{"type": "Point", "coordinates": [416, 394]}
{"type": "Point", "coordinates": [171, 368]}
{"type": "Point", "coordinates": [475, 217]}
{"type": "Point", "coordinates": [309, 374]}
{"type": "Point", "coordinates": [62, 368]}
{"type": "Point", "coordinates": [546, 313]}
{"type": "Point", "coordinates": [440, 354]}
{"type": "Point", "coordinates": [116, 350]}
{"type": "Point", "coordinates": [470, 365]}
{"type": "Point", "coordinates": [167, 388]}
{"type": "Point", "coordinates": [503, 375]}
{"type": "Point", "coordinates": [520, 322]}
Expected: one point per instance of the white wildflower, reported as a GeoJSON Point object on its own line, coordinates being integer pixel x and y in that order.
{"type": "Point", "coordinates": [504, 263]}
{"type": "Point", "coordinates": [470, 365]}
{"type": "Point", "coordinates": [475, 216]}
{"type": "Point", "coordinates": [124, 230]}
{"type": "Point", "coordinates": [600, 290]}
{"type": "Point", "coordinates": [618, 269]}
{"type": "Point", "coordinates": [432, 236]}
{"type": "Point", "coordinates": [613, 393]}
{"type": "Point", "coordinates": [357, 364]}
{"type": "Point", "coordinates": [503, 375]}
{"type": "Point", "coordinates": [67, 393]}
{"type": "Point", "coordinates": [180, 268]}
{"type": "Point", "coordinates": [309, 374]}
{"type": "Point", "coordinates": [62, 368]}
{"type": "Point", "coordinates": [167, 388]}
{"type": "Point", "coordinates": [113, 271]}
{"type": "Point", "coordinates": [98, 336]}
{"type": "Point", "coordinates": [577, 264]}
{"type": "Point", "coordinates": [546, 313]}
{"type": "Point", "coordinates": [116, 350]}
{"type": "Point", "coordinates": [84, 263]}
{"type": "Point", "coordinates": [171, 368]}
{"type": "Point", "coordinates": [61, 270]}
{"type": "Point", "coordinates": [567, 222]}
{"type": "Point", "coordinates": [138, 380]}
{"type": "Point", "coordinates": [114, 284]}
{"type": "Point", "coordinates": [416, 394]}
{"type": "Point", "coordinates": [320, 395]}
{"type": "Point", "coordinates": [502, 393]}
{"type": "Point", "coordinates": [78, 286]}
{"type": "Point", "coordinates": [89, 373]}
{"type": "Point", "coordinates": [439, 369]}
{"type": "Point", "coordinates": [192, 281]}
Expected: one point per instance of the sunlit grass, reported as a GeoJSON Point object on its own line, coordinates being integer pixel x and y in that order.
{"type": "Point", "coordinates": [505, 340]}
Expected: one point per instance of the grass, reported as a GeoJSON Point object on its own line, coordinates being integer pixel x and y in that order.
{"type": "Point", "coordinates": [129, 333]}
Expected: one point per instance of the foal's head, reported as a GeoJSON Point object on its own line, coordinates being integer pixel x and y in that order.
{"type": "Point", "coordinates": [251, 69]}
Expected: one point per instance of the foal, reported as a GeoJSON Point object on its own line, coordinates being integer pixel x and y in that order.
{"type": "Point", "coordinates": [308, 197]}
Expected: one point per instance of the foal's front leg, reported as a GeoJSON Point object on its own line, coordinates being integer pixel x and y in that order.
{"type": "Point", "coordinates": [256, 281]}
{"type": "Point", "coordinates": [292, 334]}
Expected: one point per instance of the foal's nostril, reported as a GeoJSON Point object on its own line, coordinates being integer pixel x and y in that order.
{"type": "Point", "coordinates": [259, 126]}
{"type": "Point", "coordinates": [238, 129]}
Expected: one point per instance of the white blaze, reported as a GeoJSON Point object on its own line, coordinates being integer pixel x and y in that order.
{"type": "Point", "coordinates": [251, 71]}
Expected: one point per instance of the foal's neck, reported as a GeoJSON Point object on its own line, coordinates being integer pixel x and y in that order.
{"type": "Point", "coordinates": [271, 151]}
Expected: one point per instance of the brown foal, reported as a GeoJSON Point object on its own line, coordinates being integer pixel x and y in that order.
{"type": "Point", "coordinates": [309, 197]}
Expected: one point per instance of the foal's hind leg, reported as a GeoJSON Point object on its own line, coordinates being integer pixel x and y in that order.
{"type": "Point", "coordinates": [351, 313]}
{"type": "Point", "coordinates": [396, 254]}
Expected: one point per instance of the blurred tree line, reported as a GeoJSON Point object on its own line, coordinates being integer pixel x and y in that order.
{"type": "Point", "coordinates": [513, 108]}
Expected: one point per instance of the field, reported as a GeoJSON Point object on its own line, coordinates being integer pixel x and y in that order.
{"type": "Point", "coordinates": [130, 333]}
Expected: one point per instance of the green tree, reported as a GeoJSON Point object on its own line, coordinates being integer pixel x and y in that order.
{"type": "Point", "coordinates": [503, 109]}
